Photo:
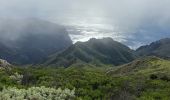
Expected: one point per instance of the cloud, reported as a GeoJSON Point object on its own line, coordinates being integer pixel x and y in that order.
{"type": "Point", "coordinates": [133, 22]}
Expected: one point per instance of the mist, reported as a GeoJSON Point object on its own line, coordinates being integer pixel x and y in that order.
{"type": "Point", "coordinates": [133, 22]}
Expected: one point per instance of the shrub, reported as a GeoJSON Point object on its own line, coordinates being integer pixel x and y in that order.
{"type": "Point", "coordinates": [16, 77]}
{"type": "Point", "coordinates": [36, 93]}
{"type": "Point", "coordinates": [153, 76]}
{"type": "Point", "coordinates": [165, 78]}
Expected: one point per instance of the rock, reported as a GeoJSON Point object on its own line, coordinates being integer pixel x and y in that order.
{"type": "Point", "coordinates": [4, 64]}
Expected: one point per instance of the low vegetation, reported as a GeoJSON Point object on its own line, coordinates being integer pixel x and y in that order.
{"type": "Point", "coordinates": [143, 79]}
{"type": "Point", "coordinates": [36, 93]}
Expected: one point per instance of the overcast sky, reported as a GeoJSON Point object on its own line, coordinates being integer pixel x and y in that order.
{"type": "Point", "coordinates": [133, 22]}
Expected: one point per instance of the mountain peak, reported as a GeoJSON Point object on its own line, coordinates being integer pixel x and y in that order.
{"type": "Point", "coordinates": [95, 40]}
{"type": "Point", "coordinates": [105, 39]}
{"type": "Point", "coordinates": [94, 51]}
{"type": "Point", "coordinates": [160, 48]}
{"type": "Point", "coordinates": [164, 40]}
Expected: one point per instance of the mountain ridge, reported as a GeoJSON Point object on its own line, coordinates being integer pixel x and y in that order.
{"type": "Point", "coordinates": [104, 51]}
{"type": "Point", "coordinates": [160, 48]}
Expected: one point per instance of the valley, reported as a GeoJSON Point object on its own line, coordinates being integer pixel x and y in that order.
{"type": "Point", "coordinates": [99, 69]}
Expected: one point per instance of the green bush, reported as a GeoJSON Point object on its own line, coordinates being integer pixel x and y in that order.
{"type": "Point", "coordinates": [36, 93]}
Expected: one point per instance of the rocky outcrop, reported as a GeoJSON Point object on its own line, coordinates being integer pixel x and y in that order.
{"type": "Point", "coordinates": [4, 64]}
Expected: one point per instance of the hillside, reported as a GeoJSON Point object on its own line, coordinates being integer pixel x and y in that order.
{"type": "Point", "coordinates": [31, 41]}
{"type": "Point", "coordinates": [160, 48]}
{"type": "Point", "coordinates": [144, 66]}
{"type": "Point", "coordinates": [95, 51]}
{"type": "Point", "coordinates": [147, 78]}
{"type": "Point", "coordinates": [143, 79]}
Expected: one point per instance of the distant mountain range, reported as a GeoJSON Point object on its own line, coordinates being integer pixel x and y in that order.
{"type": "Point", "coordinates": [107, 51]}
{"type": "Point", "coordinates": [36, 40]}
{"type": "Point", "coordinates": [160, 48]}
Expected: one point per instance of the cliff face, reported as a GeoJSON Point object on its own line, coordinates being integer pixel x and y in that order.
{"type": "Point", "coordinates": [31, 41]}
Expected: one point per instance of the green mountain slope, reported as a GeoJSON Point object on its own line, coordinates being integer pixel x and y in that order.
{"type": "Point", "coordinates": [94, 51]}
{"type": "Point", "coordinates": [144, 79]}
{"type": "Point", "coordinates": [159, 48]}
{"type": "Point", "coordinates": [144, 66]}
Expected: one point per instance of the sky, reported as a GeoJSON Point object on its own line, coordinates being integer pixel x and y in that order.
{"type": "Point", "coordinates": [132, 22]}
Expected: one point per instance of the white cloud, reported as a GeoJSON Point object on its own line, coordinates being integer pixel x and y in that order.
{"type": "Point", "coordinates": [128, 21]}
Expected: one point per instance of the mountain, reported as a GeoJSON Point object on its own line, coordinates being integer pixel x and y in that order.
{"type": "Point", "coordinates": [160, 48]}
{"type": "Point", "coordinates": [94, 51]}
{"type": "Point", "coordinates": [149, 65]}
{"type": "Point", "coordinates": [144, 69]}
{"type": "Point", "coordinates": [30, 41]}
{"type": "Point", "coordinates": [146, 78]}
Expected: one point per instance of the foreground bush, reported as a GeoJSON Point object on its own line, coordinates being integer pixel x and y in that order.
{"type": "Point", "coordinates": [36, 93]}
